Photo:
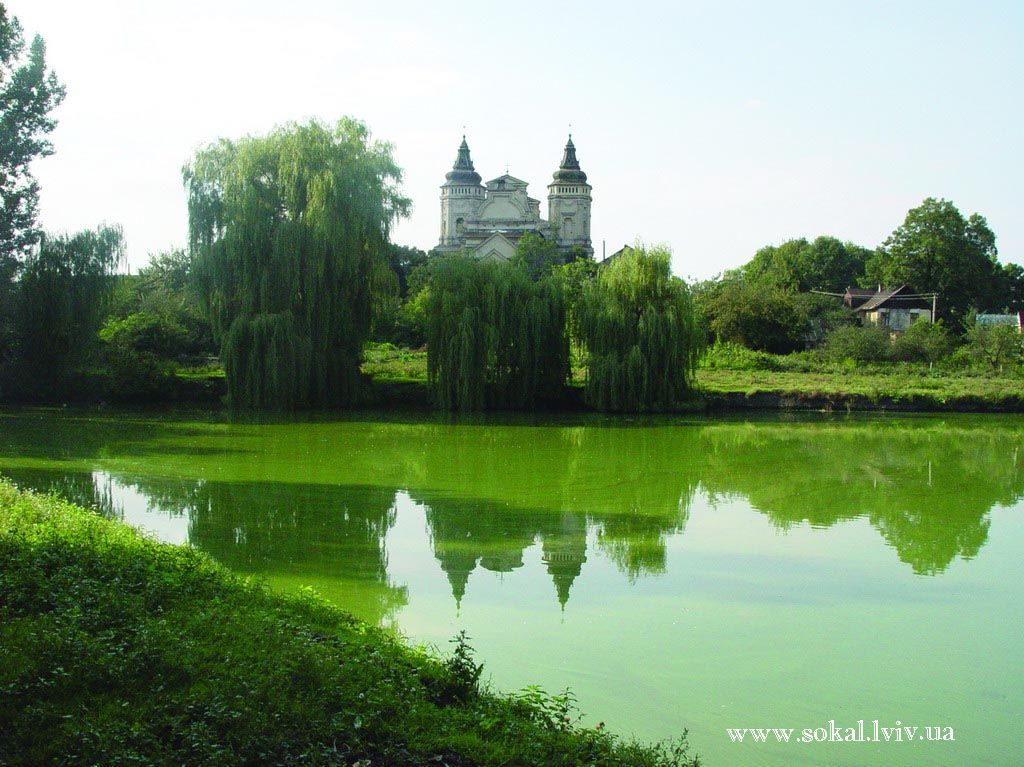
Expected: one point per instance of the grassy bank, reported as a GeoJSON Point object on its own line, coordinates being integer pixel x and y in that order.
{"type": "Point", "coordinates": [914, 389]}
{"type": "Point", "coordinates": [120, 650]}
{"type": "Point", "coordinates": [792, 381]}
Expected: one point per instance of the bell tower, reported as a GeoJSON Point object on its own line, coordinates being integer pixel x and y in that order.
{"type": "Point", "coordinates": [569, 204]}
{"type": "Point", "coordinates": [461, 196]}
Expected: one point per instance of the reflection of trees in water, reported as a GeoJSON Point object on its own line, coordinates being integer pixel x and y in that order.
{"type": "Point", "coordinates": [579, 478]}
{"type": "Point", "coordinates": [491, 492]}
{"type": "Point", "coordinates": [925, 487]}
{"type": "Point", "coordinates": [329, 536]}
{"type": "Point", "coordinates": [79, 487]}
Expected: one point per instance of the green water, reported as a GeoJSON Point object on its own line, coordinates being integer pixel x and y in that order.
{"type": "Point", "coordinates": [696, 573]}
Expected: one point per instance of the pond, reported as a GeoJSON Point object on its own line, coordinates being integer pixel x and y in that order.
{"type": "Point", "coordinates": [771, 572]}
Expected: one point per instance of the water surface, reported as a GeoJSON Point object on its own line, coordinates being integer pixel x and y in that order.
{"type": "Point", "coordinates": [709, 574]}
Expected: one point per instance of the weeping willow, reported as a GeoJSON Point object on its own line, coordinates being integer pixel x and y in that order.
{"type": "Point", "coordinates": [639, 332]}
{"type": "Point", "coordinates": [63, 295]}
{"type": "Point", "coordinates": [495, 337]}
{"type": "Point", "coordinates": [289, 233]}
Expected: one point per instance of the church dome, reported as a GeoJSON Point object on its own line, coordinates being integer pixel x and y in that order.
{"type": "Point", "coordinates": [463, 171]}
{"type": "Point", "coordinates": [569, 171]}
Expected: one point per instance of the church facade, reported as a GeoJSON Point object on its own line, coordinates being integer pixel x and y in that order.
{"type": "Point", "coordinates": [489, 219]}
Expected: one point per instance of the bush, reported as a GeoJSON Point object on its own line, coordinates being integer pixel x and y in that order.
{"type": "Point", "coordinates": [860, 344]}
{"type": "Point", "coordinates": [143, 332]}
{"type": "Point", "coordinates": [729, 356]}
{"type": "Point", "coordinates": [995, 346]}
{"type": "Point", "coordinates": [923, 342]}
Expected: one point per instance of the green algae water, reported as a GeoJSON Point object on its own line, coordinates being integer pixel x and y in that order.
{"type": "Point", "coordinates": [854, 576]}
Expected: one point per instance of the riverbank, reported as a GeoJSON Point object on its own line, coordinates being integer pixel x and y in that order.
{"type": "Point", "coordinates": [400, 376]}
{"type": "Point", "coordinates": [119, 649]}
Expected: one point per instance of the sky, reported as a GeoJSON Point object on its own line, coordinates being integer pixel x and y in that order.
{"type": "Point", "coordinates": [713, 127]}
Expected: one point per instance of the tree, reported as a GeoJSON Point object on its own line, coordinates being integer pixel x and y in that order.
{"type": "Point", "coordinates": [62, 300]}
{"type": "Point", "coordinates": [996, 346]}
{"type": "Point", "coordinates": [403, 260]}
{"type": "Point", "coordinates": [495, 336]}
{"type": "Point", "coordinates": [938, 250]}
{"type": "Point", "coordinates": [825, 264]}
{"type": "Point", "coordinates": [539, 255]}
{"type": "Point", "coordinates": [29, 93]}
{"type": "Point", "coordinates": [759, 316]}
{"type": "Point", "coordinates": [640, 334]}
{"type": "Point", "coordinates": [290, 236]}
{"type": "Point", "coordinates": [1012, 290]}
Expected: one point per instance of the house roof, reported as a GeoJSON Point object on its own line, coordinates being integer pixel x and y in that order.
{"type": "Point", "coordinates": [885, 297]}
{"type": "Point", "coordinates": [878, 299]}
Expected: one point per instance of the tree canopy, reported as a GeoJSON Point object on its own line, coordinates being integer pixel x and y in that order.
{"type": "Point", "coordinates": [62, 300]}
{"type": "Point", "coordinates": [290, 236]}
{"type": "Point", "coordinates": [825, 264]}
{"type": "Point", "coordinates": [936, 249]}
{"type": "Point", "coordinates": [640, 333]}
{"type": "Point", "coordinates": [495, 336]}
{"type": "Point", "coordinates": [29, 92]}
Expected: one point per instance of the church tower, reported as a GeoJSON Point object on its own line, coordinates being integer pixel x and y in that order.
{"type": "Point", "coordinates": [461, 196]}
{"type": "Point", "coordinates": [569, 204]}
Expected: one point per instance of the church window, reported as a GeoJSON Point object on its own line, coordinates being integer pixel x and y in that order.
{"type": "Point", "coordinates": [460, 225]}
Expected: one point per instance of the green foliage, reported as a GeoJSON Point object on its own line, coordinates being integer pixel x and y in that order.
{"type": "Point", "coordinates": [29, 93]}
{"type": "Point", "coordinates": [996, 347]}
{"type": "Point", "coordinates": [640, 334]}
{"type": "Point", "coordinates": [760, 317]}
{"type": "Point", "coordinates": [290, 236]}
{"type": "Point", "coordinates": [825, 264]}
{"type": "Point", "coordinates": [121, 650]}
{"type": "Point", "coordinates": [860, 344]}
{"type": "Point", "coordinates": [266, 362]}
{"type": "Point", "coordinates": [730, 356]}
{"type": "Point", "coordinates": [537, 254]}
{"type": "Point", "coordinates": [62, 299]}
{"type": "Point", "coordinates": [495, 337]}
{"type": "Point", "coordinates": [937, 250]}
{"type": "Point", "coordinates": [923, 341]}
{"type": "Point", "coordinates": [142, 332]}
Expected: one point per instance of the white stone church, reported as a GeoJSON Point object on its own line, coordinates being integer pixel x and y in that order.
{"type": "Point", "coordinates": [489, 220]}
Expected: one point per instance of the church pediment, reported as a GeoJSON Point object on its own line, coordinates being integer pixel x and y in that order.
{"type": "Point", "coordinates": [506, 182]}
{"type": "Point", "coordinates": [496, 247]}
{"type": "Point", "coordinates": [510, 206]}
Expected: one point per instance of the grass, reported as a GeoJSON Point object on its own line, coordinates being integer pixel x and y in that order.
{"type": "Point", "coordinates": [120, 650]}
{"type": "Point", "coordinates": [386, 362]}
{"type": "Point", "coordinates": [894, 384]}
{"type": "Point", "coordinates": [792, 376]}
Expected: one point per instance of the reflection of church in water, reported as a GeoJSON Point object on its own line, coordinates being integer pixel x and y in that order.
{"type": "Point", "coordinates": [463, 540]}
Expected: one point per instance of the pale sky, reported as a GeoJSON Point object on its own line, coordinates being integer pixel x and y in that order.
{"type": "Point", "coordinates": [713, 127]}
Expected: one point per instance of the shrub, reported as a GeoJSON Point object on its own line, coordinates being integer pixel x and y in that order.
{"type": "Point", "coordinates": [729, 356]}
{"type": "Point", "coordinates": [861, 344]}
{"type": "Point", "coordinates": [923, 342]}
{"type": "Point", "coordinates": [143, 332]}
{"type": "Point", "coordinates": [995, 346]}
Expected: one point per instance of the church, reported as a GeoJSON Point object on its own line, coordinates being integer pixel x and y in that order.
{"type": "Point", "coordinates": [489, 219]}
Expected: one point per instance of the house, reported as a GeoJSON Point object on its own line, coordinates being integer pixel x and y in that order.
{"type": "Point", "coordinates": [894, 309]}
